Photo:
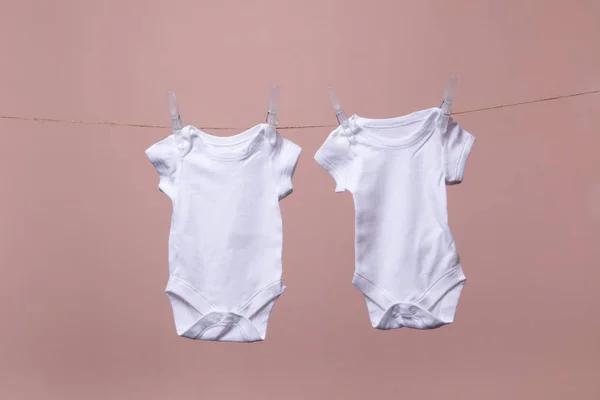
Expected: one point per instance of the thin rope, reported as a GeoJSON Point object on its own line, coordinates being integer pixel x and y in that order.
{"type": "Point", "coordinates": [73, 121]}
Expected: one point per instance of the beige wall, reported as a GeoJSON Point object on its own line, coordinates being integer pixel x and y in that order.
{"type": "Point", "coordinates": [83, 228]}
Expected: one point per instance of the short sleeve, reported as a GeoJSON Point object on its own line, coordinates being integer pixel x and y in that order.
{"type": "Point", "coordinates": [285, 159]}
{"type": "Point", "coordinates": [456, 143]}
{"type": "Point", "coordinates": [333, 157]}
{"type": "Point", "coordinates": [164, 157]}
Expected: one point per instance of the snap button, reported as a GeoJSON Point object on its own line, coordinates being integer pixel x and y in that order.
{"type": "Point", "coordinates": [236, 319]}
{"type": "Point", "coordinates": [396, 309]}
{"type": "Point", "coordinates": [413, 310]}
{"type": "Point", "coordinates": [217, 317]}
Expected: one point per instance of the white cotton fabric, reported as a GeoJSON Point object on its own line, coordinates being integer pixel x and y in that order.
{"type": "Point", "coordinates": [225, 239]}
{"type": "Point", "coordinates": [407, 265]}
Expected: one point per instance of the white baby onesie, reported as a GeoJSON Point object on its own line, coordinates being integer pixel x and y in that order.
{"type": "Point", "coordinates": [226, 231]}
{"type": "Point", "coordinates": [406, 261]}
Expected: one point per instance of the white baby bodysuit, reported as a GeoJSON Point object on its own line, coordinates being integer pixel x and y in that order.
{"type": "Point", "coordinates": [406, 265]}
{"type": "Point", "coordinates": [225, 240]}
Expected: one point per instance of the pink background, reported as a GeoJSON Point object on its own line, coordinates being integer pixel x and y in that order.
{"type": "Point", "coordinates": [83, 228]}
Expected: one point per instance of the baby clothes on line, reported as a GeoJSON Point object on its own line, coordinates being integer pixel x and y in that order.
{"type": "Point", "coordinates": [406, 262]}
{"type": "Point", "coordinates": [225, 240]}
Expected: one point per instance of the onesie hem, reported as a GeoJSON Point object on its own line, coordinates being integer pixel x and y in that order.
{"type": "Point", "coordinates": [415, 313]}
{"type": "Point", "coordinates": [211, 316]}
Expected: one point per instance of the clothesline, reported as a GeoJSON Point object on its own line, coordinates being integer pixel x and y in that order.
{"type": "Point", "coordinates": [65, 121]}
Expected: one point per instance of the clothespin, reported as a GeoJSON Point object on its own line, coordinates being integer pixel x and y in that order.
{"type": "Point", "coordinates": [272, 119]}
{"type": "Point", "coordinates": [341, 116]}
{"type": "Point", "coordinates": [175, 119]}
{"type": "Point", "coordinates": [342, 119]}
{"type": "Point", "coordinates": [174, 111]}
{"type": "Point", "coordinates": [447, 103]}
{"type": "Point", "coordinates": [339, 111]}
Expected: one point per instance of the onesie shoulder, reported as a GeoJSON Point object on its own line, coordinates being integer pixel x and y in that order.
{"type": "Point", "coordinates": [285, 156]}
{"type": "Point", "coordinates": [334, 157]}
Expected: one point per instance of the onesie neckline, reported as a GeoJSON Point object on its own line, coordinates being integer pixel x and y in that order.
{"type": "Point", "coordinates": [429, 116]}
{"type": "Point", "coordinates": [219, 147]}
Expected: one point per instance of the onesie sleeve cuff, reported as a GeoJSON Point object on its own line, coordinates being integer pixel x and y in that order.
{"type": "Point", "coordinates": [161, 157]}
{"type": "Point", "coordinates": [462, 161]}
{"type": "Point", "coordinates": [290, 155]}
{"type": "Point", "coordinates": [154, 158]}
{"type": "Point", "coordinates": [327, 166]}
